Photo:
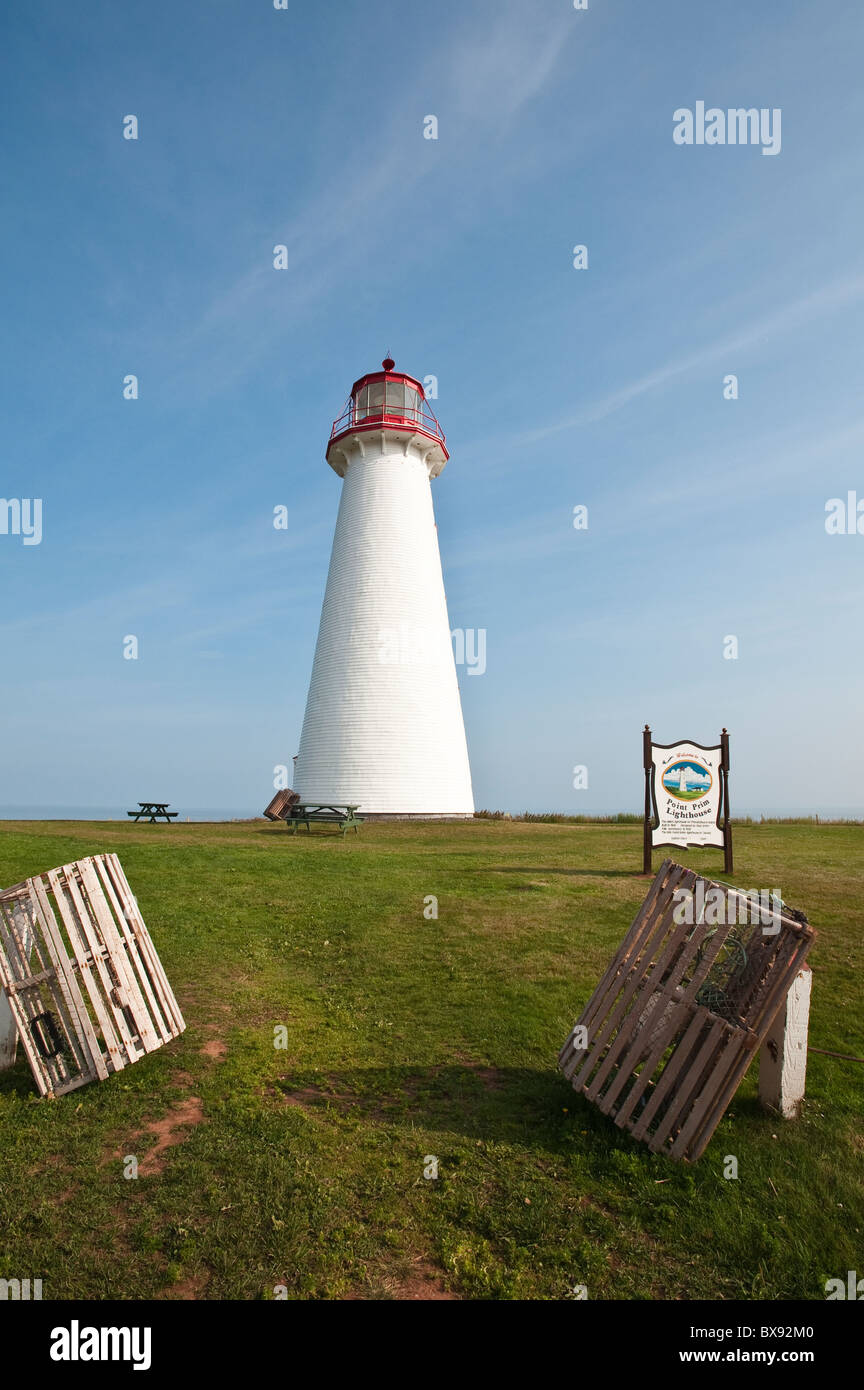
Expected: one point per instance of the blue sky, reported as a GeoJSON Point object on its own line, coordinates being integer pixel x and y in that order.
{"type": "Point", "coordinates": [557, 386]}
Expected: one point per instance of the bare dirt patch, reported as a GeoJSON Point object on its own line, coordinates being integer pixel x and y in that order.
{"type": "Point", "coordinates": [169, 1131]}
{"type": "Point", "coordinates": [186, 1290]}
{"type": "Point", "coordinates": [420, 1283]}
{"type": "Point", "coordinates": [425, 1283]}
{"type": "Point", "coordinates": [215, 1048]}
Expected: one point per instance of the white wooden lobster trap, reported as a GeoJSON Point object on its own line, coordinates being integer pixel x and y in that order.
{"type": "Point", "coordinates": [85, 991]}
{"type": "Point", "coordinates": [682, 1009]}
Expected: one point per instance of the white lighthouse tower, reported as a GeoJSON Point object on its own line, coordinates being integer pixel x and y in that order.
{"type": "Point", "coordinates": [383, 728]}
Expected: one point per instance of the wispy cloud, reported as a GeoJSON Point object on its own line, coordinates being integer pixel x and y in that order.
{"type": "Point", "coordinates": [837, 295]}
{"type": "Point", "coordinates": [484, 81]}
{"type": "Point", "coordinates": [497, 69]}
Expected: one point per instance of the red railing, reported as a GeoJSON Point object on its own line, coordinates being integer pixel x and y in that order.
{"type": "Point", "coordinates": [420, 418]}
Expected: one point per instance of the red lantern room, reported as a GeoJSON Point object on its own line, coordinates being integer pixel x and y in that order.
{"type": "Point", "coordinates": [385, 401]}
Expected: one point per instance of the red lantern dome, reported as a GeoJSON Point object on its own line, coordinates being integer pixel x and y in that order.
{"type": "Point", "coordinates": [388, 400]}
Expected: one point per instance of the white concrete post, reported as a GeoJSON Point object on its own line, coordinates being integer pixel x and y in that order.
{"type": "Point", "coordinates": [783, 1056]}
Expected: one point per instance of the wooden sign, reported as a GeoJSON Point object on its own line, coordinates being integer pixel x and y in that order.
{"type": "Point", "coordinates": [84, 987]}
{"type": "Point", "coordinates": [683, 1007]}
{"type": "Point", "coordinates": [686, 796]}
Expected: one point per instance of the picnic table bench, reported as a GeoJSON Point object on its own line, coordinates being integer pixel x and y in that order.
{"type": "Point", "coordinates": [154, 810]}
{"type": "Point", "coordinates": [305, 812]}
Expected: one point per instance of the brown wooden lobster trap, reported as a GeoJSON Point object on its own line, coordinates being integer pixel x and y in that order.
{"type": "Point", "coordinates": [280, 807]}
{"type": "Point", "coordinates": [84, 985]}
{"type": "Point", "coordinates": [674, 1023]}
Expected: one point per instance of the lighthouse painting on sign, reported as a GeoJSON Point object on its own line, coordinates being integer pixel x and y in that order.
{"type": "Point", "coordinates": [383, 728]}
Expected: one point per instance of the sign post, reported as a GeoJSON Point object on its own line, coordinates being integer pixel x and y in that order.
{"type": "Point", "coordinates": [647, 763]}
{"type": "Point", "coordinates": [686, 796]}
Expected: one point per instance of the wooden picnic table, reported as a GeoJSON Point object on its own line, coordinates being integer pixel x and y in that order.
{"type": "Point", "coordinates": [304, 812]}
{"type": "Point", "coordinates": [155, 810]}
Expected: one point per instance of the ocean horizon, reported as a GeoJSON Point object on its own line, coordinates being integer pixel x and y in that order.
{"type": "Point", "coordinates": [226, 813]}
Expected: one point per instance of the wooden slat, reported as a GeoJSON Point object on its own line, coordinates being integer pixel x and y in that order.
{"type": "Point", "coordinates": [633, 948]}
{"type": "Point", "coordinates": [39, 990]}
{"type": "Point", "coordinates": [682, 1073]}
{"type": "Point", "coordinates": [163, 1027]}
{"type": "Point", "coordinates": [72, 1085]}
{"type": "Point", "coordinates": [13, 893]}
{"type": "Point", "coordinates": [753, 1038]}
{"type": "Point", "coordinates": [114, 995]}
{"type": "Point", "coordinates": [566, 1059]}
{"type": "Point", "coordinates": [92, 1062]}
{"type": "Point", "coordinates": [665, 882]}
{"type": "Point", "coordinates": [83, 957]}
{"type": "Point", "coordinates": [55, 1068]}
{"type": "Point", "coordinates": [671, 1072]}
{"type": "Point", "coordinates": [117, 952]}
{"type": "Point", "coordinates": [145, 944]}
{"type": "Point", "coordinates": [709, 944]}
{"type": "Point", "coordinates": [47, 982]}
{"type": "Point", "coordinates": [625, 986]}
{"type": "Point", "coordinates": [780, 988]}
{"type": "Point", "coordinates": [697, 1081]}
{"type": "Point", "coordinates": [12, 968]}
{"type": "Point", "coordinates": [729, 1069]}
{"type": "Point", "coordinates": [683, 1006]}
{"type": "Point", "coordinates": [110, 966]}
{"type": "Point", "coordinates": [666, 1037]}
{"type": "Point", "coordinates": [707, 1113]}
{"type": "Point", "coordinates": [644, 982]}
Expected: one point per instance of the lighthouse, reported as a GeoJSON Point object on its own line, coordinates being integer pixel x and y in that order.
{"type": "Point", "coordinates": [383, 727]}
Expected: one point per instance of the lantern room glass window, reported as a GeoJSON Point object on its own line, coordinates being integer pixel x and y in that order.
{"type": "Point", "coordinates": [391, 398]}
{"type": "Point", "coordinates": [369, 400]}
{"type": "Point", "coordinates": [412, 404]}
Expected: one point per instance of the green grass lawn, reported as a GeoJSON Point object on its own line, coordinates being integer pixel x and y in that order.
{"type": "Point", "coordinates": [409, 1038]}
